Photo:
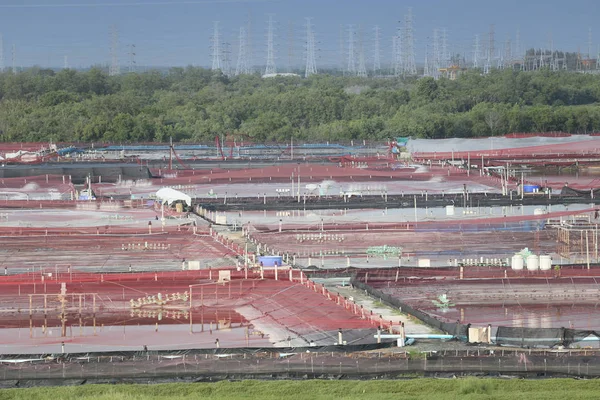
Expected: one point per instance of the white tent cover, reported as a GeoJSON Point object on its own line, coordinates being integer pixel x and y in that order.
{"type": "Point", "coordinates": [168, 195]}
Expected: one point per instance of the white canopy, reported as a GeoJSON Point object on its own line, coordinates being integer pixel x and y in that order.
{"type": "Point", "coordinates": [168, 195]}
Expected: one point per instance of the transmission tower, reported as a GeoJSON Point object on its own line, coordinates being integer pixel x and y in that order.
{"type": "Point", "coordinates": [491, 50]}
{"type": "Point", "coordinates": [377, 52]}
{"type": "Point", "coordinates": [445, 59]}
{"type": "Point", "coordinates": [311, 63]}
{"type": "Point", "coordinates": [351, 69]}
{"type": "Point", "coordinates": [114, 69]}
{"type": "Point", "coordinates": [242, 66]}
{"type": "Point", "coordinates": [553, 56]}
{"type": "Point", "coordinates": [66, 62]}
{"type": "Point", "coordinates": [427, 65]}
{"type": "Point", "coordinates": [476, 52]}
{"type": "Point", "coordinates": [362, 68]}
{"type": "Point", "coordinates": [397, 67]}
{"type": "Point", "coordinates": [226, 62]}
{"type": "Point", "coordinates": [216, 47]}
{"type": "Point", "coordinates": [341, 50]}
{"type": "Point", "coordinates": [507, 58]}
{"type": "Point", "coordinates": [14, 59]}
{"type": "Point", "coordinates": [517, 54]}
{"type": "Point", "coordinates": [132, 54]}
{"type": "Point", "coordinates": [589, 44]}
{"type": "Point", "coordinates": [270, 68]}
{"type": "Point", "coordinates": [492, 44]}
{"type": "Point", "coordinates": [436, 59]}
{"type": "Point", "coordinates": [290, 39]}
{"type": "Point", "coordinates": [408, 46]}
{"type": "Point", "coordinates": [1, 53]}
{"type": "Point", "coordinates": [249, 43]}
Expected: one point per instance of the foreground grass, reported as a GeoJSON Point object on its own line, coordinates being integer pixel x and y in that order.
{"type": "Point", "coordinates": [468, 388]}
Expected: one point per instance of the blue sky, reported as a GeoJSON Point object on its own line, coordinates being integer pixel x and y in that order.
{"type": "Point", "coordinates": [178, 32]}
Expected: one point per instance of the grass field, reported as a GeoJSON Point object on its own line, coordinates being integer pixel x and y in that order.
{"type": "Point", "coordinates": [468, 388]}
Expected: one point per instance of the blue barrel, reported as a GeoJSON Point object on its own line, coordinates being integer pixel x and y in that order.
{"type": "Point", "coordinates": [269, 261]}
{"type": "Point", "coordinates": [530, 188]}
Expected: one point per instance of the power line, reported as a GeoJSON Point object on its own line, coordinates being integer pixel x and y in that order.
{"type": "Point", "coordinates": [135, 3]}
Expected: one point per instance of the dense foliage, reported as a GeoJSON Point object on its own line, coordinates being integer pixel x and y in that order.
{"type": "Point", "coordinates": [195, 104]}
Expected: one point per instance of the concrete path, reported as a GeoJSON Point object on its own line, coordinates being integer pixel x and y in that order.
{"type": "Point", "coordinates": [411, 325]}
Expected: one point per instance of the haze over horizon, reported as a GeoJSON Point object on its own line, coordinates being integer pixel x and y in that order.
{"type": "Point", "coordinates": [178, 33]}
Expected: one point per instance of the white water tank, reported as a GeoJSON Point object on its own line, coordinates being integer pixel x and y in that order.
{"type": "Point", "coordinates": [545, 263]}
{"type": "Point", "coordinates": [517, 263]}
{"type": "Point", "coordinates": [533, 263]}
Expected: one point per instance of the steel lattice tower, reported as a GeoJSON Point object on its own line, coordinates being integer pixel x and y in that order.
{"type": "Point", "coordinates": [132, 63]}
{"type": "Point", "coordinates": [225, 62]}
{"type": "Point", "coordinates": [362, 68]}
{"type": "Point", "coordinates": [476, 52]}
{"type": "Point", "coordinates": [249, 44]}
{"type": "Point", "coordinates": [66, 62]}
{"type": "Point", "coordinates": [351, 69]}
{"type": "Point", "coordinates": [508, 53]}
{"type": "Point", "coordinates": [437, 55]}
{"type": "Point", "coordinates": [291, 46]}
{"type": "Point", "coordinates": [311, 64]}
{"type": "Point", "coordinates": [397, 66]}
{"type": "Point", "coordinates": [377, 52]}
{"type": "Point", "coordinates": [426, 66]}
{"type": "Point", "coordinates": [491, 51]}
{"type": "Point", "coordinates": [270, 68]}
{"type": "Point", "coordinates": [1, 53]}
{"type": "Point", "coordinates": [445, 59]}
{"type": "Point", "coordinates": [114, 69]}
{"type": "Point", "coordinates": [589, 44]}
{"type": "Point", "coordinates": [408, 46]}
{"type": "Point", "coordinates": [242, 66]}
{"type": "Point", "coordinates": [517, 53]}
{"type": "Point", "coordinates": [341, 52]}
{"type": "Point", "coordinates": [216, 47]}
{"type": "Point", "coordinates": [14, 59]}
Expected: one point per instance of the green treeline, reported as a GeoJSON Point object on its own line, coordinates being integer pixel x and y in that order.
{"type": "Point", "coordinates": [195, 104]}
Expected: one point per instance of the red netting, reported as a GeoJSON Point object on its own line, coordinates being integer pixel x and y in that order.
{"type": "Point", "coordinates": [565, 151]}
{"type": "Point", "coordinates": [106, 310]}
{"type": "Point", "coordinates": [112, 247]}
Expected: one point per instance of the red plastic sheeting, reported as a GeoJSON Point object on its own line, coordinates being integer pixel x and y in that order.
{"type": "Point", "coordinates": [221, 311]}
{"type": "Point", "coordinates": [106, 248]}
